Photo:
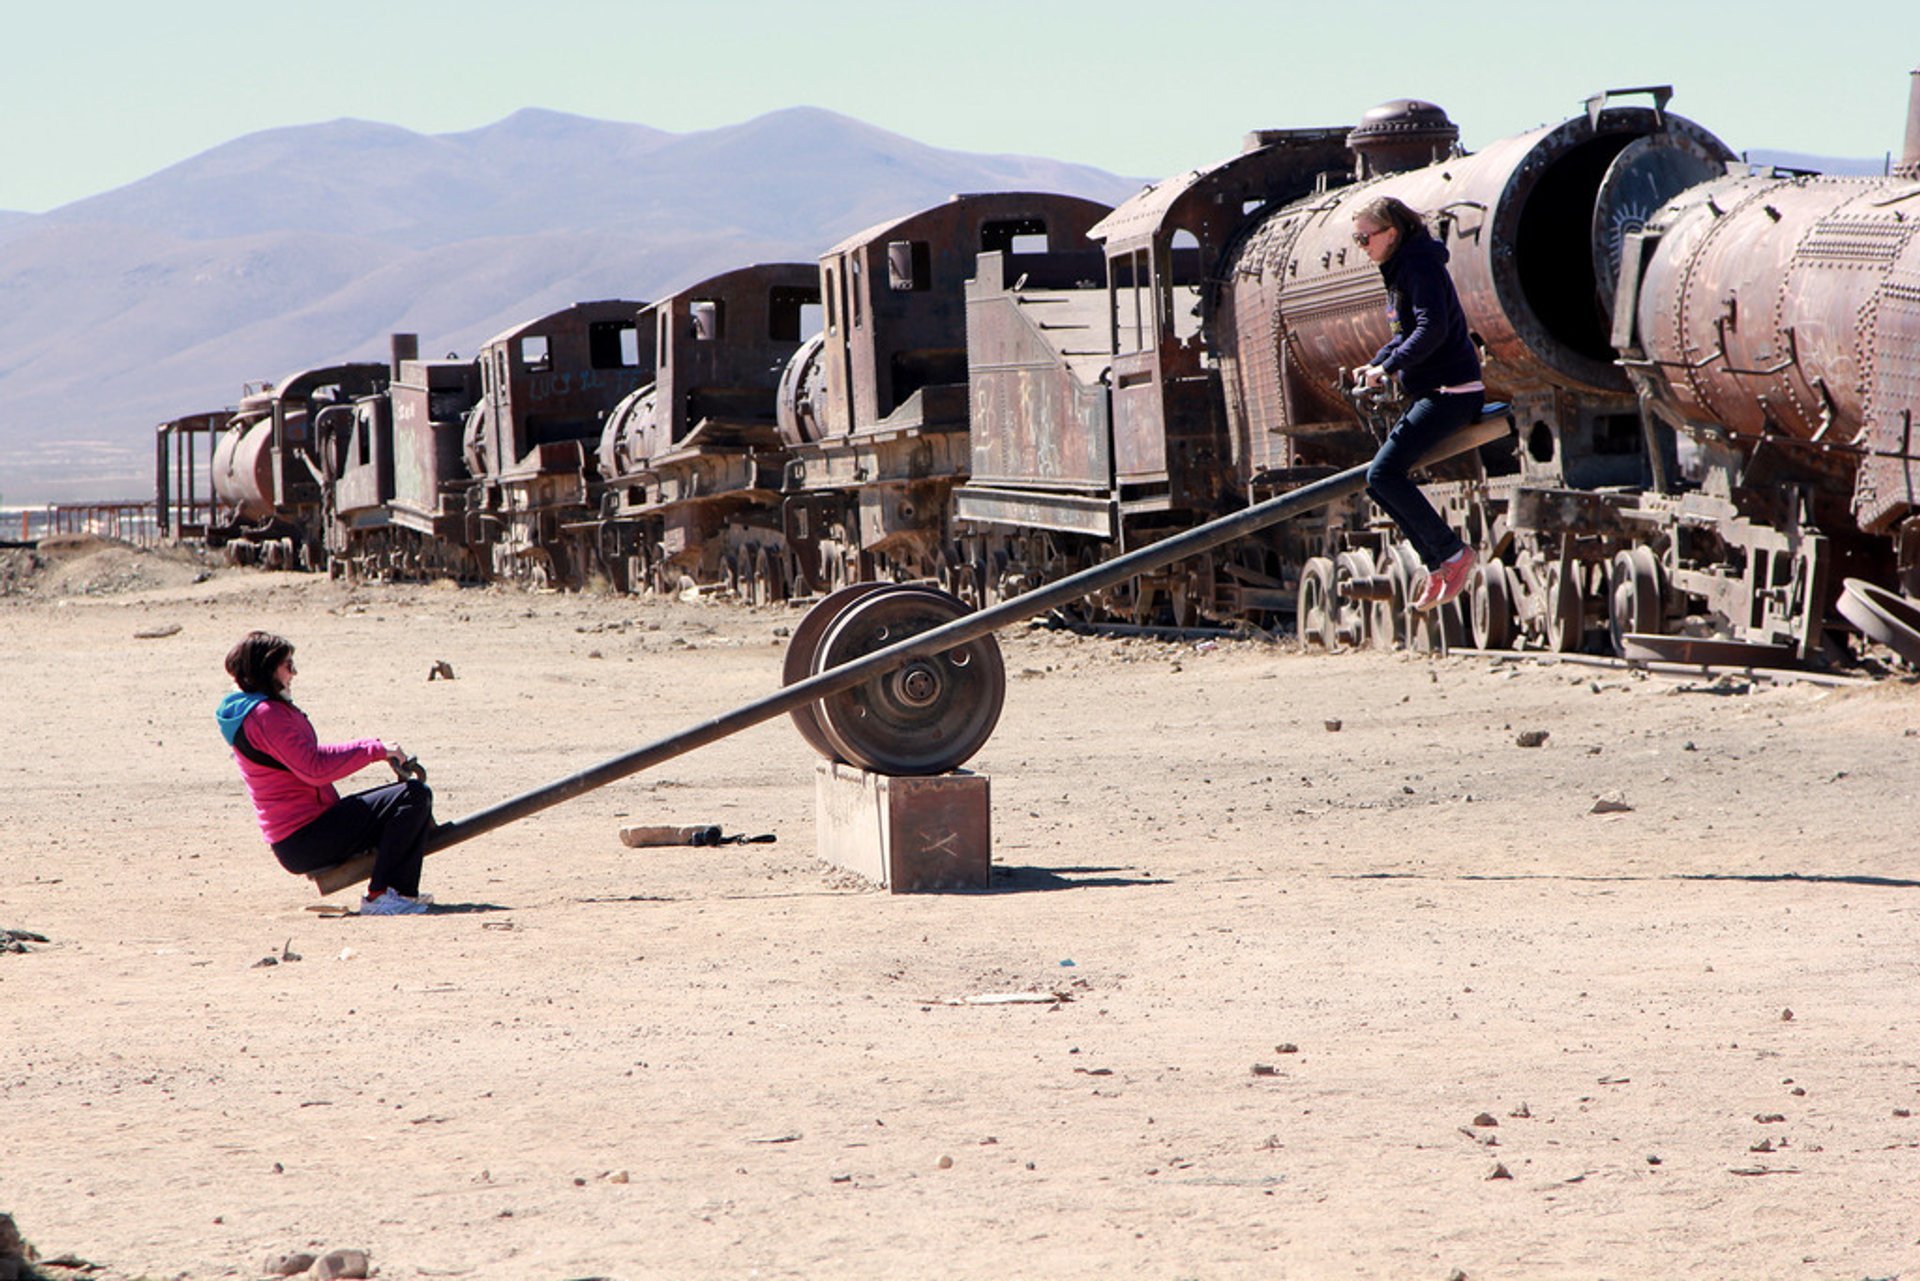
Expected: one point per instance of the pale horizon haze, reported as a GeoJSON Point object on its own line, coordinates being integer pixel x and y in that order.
{"type": "Point", "coordinates": [97, 95]}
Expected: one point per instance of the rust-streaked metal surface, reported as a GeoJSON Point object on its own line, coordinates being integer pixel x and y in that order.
{"type": "Point", "coordinates": [910, 835]}
{"type": "Point", "coordinates": [896, 318]}
{"type": "Point", "coordinates": [1038, 347]}
{"type": "Point", "coordinates": [1790, 306]}
{"type": "Point", "coordinates": [1706, 650]}
{"type": "Point", "coordinates": [430, 403]}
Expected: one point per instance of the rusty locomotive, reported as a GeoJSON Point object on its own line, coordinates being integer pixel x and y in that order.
{"type": "Point", "coordinates": [1710, 373]}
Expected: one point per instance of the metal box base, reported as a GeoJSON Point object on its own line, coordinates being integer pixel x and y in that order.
{"type": "Point", "coordinates": [909, 835]}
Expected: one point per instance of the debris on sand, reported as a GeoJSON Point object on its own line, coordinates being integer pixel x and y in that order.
{"type": "Point", "coordinates": [17, 940]}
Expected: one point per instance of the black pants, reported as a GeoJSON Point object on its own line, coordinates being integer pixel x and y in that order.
{"type": "Point", "coordinates": [392, 821]}
{"type": "Point", "coordinates": [1427, 422]}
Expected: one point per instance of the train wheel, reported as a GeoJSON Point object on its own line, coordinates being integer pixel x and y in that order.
{"type": "Point", "coordinates": [1634, 606]}
{"type": "Point", "coordinates": [1566, 611]}
{"type": "Point", "coordinates": [1315, 614]}
{"type": "Point", "coordinates": [925, 717]}
{"type": "Point", "coordinates": [1490, 606]}
{"type": "Point", "coordinates": [1353, 574]}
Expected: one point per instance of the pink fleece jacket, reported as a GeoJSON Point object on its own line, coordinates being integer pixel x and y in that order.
{"type": "Point", "coordinates": [287, 800]}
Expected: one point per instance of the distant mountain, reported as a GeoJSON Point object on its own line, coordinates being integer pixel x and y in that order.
{"type": "Point", "coordinates": [306, 245]}
{"type": "Point", "coordinates": [1872, 168]}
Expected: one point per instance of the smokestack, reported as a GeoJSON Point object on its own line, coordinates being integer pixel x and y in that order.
{"type": "Point", "coordinates": [1909, 166]}
{"type": "Point", "coordinates": [405, 347]}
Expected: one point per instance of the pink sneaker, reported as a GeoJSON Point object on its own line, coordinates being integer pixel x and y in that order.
{"type": "Point", "coordinates": [1446, 582]}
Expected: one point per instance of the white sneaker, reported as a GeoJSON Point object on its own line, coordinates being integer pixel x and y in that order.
{"type": "Point", "coordinates": [392, 903]}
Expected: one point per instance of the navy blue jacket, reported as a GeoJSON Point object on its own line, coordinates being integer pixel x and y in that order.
{"type": "Point", "coordinates": [1430, 347]}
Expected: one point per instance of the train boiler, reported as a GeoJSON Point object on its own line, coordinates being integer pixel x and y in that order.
{"type": "Point", "coordinates": [1773, 320]}
{"type": "Point", "coordinates": [692, 463]}
{"type": "Point", "coordinates": [268, 478]}
{"type": "Point", "coordinates": [875, 412]}
{"type": "Point", "coordinates": [1534, 225]}
{"type": "Point", "coordinates": [530, 444]}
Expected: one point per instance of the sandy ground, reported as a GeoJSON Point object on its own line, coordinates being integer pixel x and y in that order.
{"type": "Point", "coordinates": [1383, 1002]}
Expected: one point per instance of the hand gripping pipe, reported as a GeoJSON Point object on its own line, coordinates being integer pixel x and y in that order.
{"type": "Point", "coordinates": [1063, 591]}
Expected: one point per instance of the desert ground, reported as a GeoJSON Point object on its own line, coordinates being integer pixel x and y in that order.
{"type": "Point", "coordinates": [1388, 1001]}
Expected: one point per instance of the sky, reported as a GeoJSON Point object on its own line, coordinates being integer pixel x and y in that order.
{"type": "Point", "coordinates": [98, 93]}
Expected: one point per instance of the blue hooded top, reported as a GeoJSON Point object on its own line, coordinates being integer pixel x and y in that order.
{"type": "Point", "coordinates": [232, 710]}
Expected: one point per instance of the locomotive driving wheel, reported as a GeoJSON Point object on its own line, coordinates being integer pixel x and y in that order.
{"type": "Point", "coordinates": [1634, 607]}
{"type": "Point", "coordinates": [1566, 610]}
{"type": "Point", "coordinates": [926, 717]}
{"type": "Point", "coordinates": [1490, 612]}
{"type": "Point", "coordinates": [1316, 616]}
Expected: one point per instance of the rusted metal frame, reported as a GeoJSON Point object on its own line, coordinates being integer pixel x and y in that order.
{"type": "Point", "coordinates": [961, 631]}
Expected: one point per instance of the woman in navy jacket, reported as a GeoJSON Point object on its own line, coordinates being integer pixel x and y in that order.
{"type": "Point", "coordinates": [1434, 357]}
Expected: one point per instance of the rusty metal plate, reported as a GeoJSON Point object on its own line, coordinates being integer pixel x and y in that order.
{"type": "Point", "coordinates": [1708, 651]}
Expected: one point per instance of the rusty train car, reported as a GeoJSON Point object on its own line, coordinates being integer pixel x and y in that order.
{"type": "Point", "coordinates": [690, 463]}
{"type": "Point", "coordinates": [268, 482]}
{"type": "Point", "coordinates": [1710, 375]}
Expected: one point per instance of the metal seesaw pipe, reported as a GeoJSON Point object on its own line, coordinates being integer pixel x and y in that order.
{"type": "Point", "coordinates": [940, 639]}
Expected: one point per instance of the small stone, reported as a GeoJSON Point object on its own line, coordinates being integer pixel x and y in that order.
{"type": "Point", "coordinates": [1798, 1091]}
{"type": "Point", "coordinates": [619, 1176]}
{"type": "Point", "coordinates": [843, 1178]}
{"type": "Point", "coordinates": [1786, 1016]}
{"type": "Point", "coordinates": [1764, 1145]}
{"type": "Point", "coordinates": [1485, 1119]}
{"type": "Point", "coordinates": [1522, 1112]}
{"type": "Point", "coordinates": [1903, 1111]}
{"type": "Point", "coordinates": [335, 1265]}
{"type": "Point", "coordinates": [1531, 738]}
{"type": "Point", "coordinates": [287, 1265]}
{"type": "Point", "coordinates": [1286, 1047]}
{"type": "Point", "coordinates": [946, 1163]}
{"type": "Point", "coordinates": [266, 961]}
{"type": "Point", "coordinates": [1500, 1171]}
{"type": "Point", "coordinates": [442, 670]}
{"type": "Point", "coordinates": [1333, 726]}
{"type": "Point", "coordinates": [1265, 1069]}
{"type": "Point", "coordinates": [1608, 805]}
{"type": "Point", "coordinates": [1652, 1160]}
{"type": "Point", "coordinates": [1769, 1118]}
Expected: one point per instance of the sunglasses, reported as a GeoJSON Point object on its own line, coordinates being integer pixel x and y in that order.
{"type": "Point", "coordinates": [1362, 237]}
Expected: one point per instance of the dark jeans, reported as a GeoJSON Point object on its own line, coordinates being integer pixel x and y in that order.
{"type": "Point", "coordinates": [1428, 421]}
{"type": "Point", "coordinates": [393, 821]}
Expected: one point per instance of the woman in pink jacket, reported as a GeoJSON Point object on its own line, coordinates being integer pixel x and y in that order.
{"type": "Point", "coordinates": [290, 776]}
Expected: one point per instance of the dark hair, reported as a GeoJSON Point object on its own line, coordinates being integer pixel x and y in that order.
{"type": "Point", "coordinates": [1391, 211]}
{"type": "Point", "coordinates": [253, 662]}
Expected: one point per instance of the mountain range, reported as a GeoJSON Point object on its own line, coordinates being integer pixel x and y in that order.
{"type": "Point", "coordinates": [308, 245]}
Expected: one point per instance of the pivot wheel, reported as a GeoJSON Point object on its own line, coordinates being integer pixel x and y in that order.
{"type": "Point", "coordinates": [927, 716]}
{"type": "Point", "coordinates": [801, 649]}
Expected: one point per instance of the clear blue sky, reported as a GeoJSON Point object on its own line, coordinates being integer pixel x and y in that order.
{"type": "Point", "coordinates": [97, 93]}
